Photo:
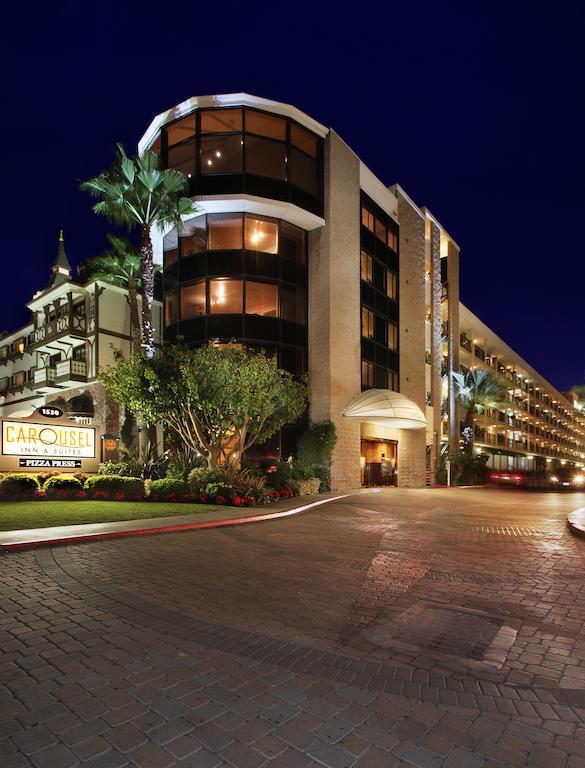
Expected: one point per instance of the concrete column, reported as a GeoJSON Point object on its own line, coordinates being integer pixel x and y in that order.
{"type": "Point", "coordinates": [412, 443]}
{"type": "Point", "coordinates": [454, 332]}
{"type": "Point", "coordinates": [334, 309]}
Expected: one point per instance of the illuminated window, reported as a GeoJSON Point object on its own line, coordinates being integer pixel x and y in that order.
{"type": "Point", "coordinates": [293, 242]}
{"type": "Point", "coordinates": [366, 263]}
{"type": "Point", "coordinates": [392, 240]}
{"type": "Point", "coordinates": [170, 257]}
{"type": "Point", "coordinates": [305, 172]}
{"type": "Point", "coordinates": [367, 218]}
{"type": "Point", "coordinates": [221, 154]}
{"type": "Point", "coordinates": [380, 229]}
{"type": "Point", "coordinates": [193, 300]}
{"type": "Point", "coordinates": [19, 379]}
{"type": "Point", "coordinates": [392, 335]}
{"type": "Point", "coordinates": [225, 231]}
{"type": "Point", "coordinates": [261, 299]}
{"type": "Point", "coordinates": [265, 157]}
{"type": "Point", "coordinates": [367, 323]}
{"type": "Point", "coordinates": [367, 374]}
{"type": "Point", "coordinates": [303, 140]}
{"type": "Point", "coordinates": [265, 125]}
{"type": "Point", "coordinates": [391, 284]}
{"type": "Point", "coordinates": [181, 130]}
{"type": "Point", "coordinates": [261, 234]}
{"type": "Point", "coordinates": [221, 120]}
{"type": "Point", "coordinates": [226, 296]}
{"type": "Point", "coordinates": [292, 305]}
{"type": "Point", "coordinates": [182, 158]}
{"type": "Point", "coordinates": [194, 237]}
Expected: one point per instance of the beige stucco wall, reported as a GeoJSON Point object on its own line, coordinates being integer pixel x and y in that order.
{"type": "Point", "coordinates": [412, 442]}
{"type": "Point", "coordinates": [334, 309]}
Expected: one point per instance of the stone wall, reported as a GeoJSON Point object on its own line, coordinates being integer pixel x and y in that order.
{"type": "Point", "coordinates": [436, 360]}
{"type": "Point", "coordinates": [334, 309]}
{"type": "Point", "coordinates": [412, 443]}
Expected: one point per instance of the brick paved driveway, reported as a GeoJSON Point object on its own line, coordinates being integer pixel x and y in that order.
{"type": "Point", "coordinates": [401, 628]}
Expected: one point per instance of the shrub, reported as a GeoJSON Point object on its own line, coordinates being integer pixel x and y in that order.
{"type": "Point", "coordinates": [107, 486]}
{"type": "Point", "coordinates": [324, 475]}
{"type": "Point", "coordinates": [309, 487]}
{"type": "Point", "coordinates": [219, 490]}
{"type": "Point", "coordinates": [249, 485]}
{"type": "Point", "coordinates": [18, 484]}
{"type": "Point", "coordinates": [200, 477]}
{"type": "Point", "coordinates": [283, 474]}
{"type": "Point", "coordinates": [62, 486]}
{"type": "Point", "coordinates": [169, 489]}
{"type": "Point", "coordinates": [42, 477]}
{"type": "Point", "coordinates": [316, 445]}
{"type": "Point", "coordinates": [126, 468]}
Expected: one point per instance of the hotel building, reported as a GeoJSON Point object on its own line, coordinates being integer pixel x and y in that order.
{"type": "Point", "coordinates": [299, 249]}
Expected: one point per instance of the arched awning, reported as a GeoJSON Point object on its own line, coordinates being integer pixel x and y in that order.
{"type": "Point", "coordinates": [386, 407]}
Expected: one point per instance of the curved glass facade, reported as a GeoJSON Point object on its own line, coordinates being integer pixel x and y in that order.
{"type": "Point", "coordinates": [243, 150]}
{"type": "Point", "coordinates": [241, 278]}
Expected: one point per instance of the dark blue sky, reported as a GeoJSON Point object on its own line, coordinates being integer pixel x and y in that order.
{"type": "Point", "coordinates": [475, 108]}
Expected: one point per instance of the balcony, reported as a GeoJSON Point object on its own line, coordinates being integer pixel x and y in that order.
{"type": "Point", "coordinates": [45, 378]}
{"type": "Point", "coordinates": [70, 372]}
{"type": "Point", "coordinates": [67, 328]}
{"type": "Point", "coordinates": [465, 342]}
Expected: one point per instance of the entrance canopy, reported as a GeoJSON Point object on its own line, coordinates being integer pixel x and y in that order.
{"type": "Point", "coordinates": [383, 406]}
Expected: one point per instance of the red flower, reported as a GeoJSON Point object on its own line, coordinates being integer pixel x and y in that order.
{"type": "Point", "coordinates": [81, 495]}
{"type": "Point", "coordinates": [220, 499]}
{"type": "Point", "coordinates": [250, 501]}
{"type": "Point", "coordinates": [119, 496]}
{"type": "Point", "coordinates": [237, 501]}
{"type": "Point", "coordinates": [37, 494]}
{"type": "Point", "coordinates": [171, 497]}
{"type": "Point", "coordinates": [186, 497]}
{"type": "Point", "coordinates": [202, 498]}
{"type": "Point", "coordinates": [272, 468]}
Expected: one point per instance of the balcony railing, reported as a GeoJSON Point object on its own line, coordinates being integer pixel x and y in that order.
{"type": "Point", "coordinates": [44, 377]}
{"type": "Point", "coordinates": [69, 323]}
{"type": "Point", "coordinates": [71, 370]}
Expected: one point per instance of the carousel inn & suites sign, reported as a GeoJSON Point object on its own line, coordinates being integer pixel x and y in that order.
{"type": "Point", "coordinates": [47, 440]}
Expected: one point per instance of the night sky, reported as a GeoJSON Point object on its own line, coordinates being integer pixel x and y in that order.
{"type": "Point", "coordinates": [476, 109]}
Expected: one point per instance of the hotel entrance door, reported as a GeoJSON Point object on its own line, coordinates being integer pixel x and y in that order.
{"type": "Point", "coordinates": [378, 462]}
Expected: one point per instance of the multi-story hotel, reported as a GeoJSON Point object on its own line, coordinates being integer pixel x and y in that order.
{"type": "Point", "coordinates": [299, 249]}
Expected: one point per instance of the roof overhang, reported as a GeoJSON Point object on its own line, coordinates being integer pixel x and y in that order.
{"type": "Point", "coordinates": [382, 406]}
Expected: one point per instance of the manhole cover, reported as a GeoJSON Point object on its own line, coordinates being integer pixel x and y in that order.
{"type": "Point", "coordinates": [447, 630]}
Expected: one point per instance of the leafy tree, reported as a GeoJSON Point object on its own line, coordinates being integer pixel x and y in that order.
{"type": "Point", "coordinates": [476, 390]}
{"type": "Point", "coordinates": [219, 401]}
{"type": "Point", "coordinates": [134, 192]}
{"type": "Point", "coordinates": [119, 265]}
{"type": "Point", "coordinates": [315, 446]}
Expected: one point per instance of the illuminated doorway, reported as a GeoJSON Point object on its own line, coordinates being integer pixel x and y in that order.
{"type": "Point", "coordinates": [378, 462]}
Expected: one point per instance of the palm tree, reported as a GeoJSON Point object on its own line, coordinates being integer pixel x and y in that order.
{"type": "Point", "coordinates": [136, 193]}
{"type": "Point", "coordinates": [120, 265]}
{"type": "Point", "coordinates": [476, 390]}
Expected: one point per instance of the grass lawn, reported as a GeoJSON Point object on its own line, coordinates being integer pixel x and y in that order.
{"type": "Point", "coordinates": [15, 515]}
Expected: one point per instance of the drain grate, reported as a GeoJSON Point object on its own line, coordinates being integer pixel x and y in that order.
{"type": "Point", "coordinates": [512, 530]}
{"type": "Point", "coordinates": [447, 630]}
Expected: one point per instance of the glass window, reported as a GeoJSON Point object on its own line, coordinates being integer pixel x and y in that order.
{"type": "Point", "coordinates": [265, 125]}
{"type": "Point", "coordinates": [193, 300]}
{"type": "Point", "coordinates": [194, 238]}
{"type": "Point", "coordinates": [182, 158]}
{"type": "Point", "coordinates": [392, 335]}
{"type": "Point", "coordinates": [367, 323]}
{"type": "Point", "coordinates": [390, 284]}
{"type": "Point", "coordinates": [367, 374]}
{"type": "Point", "coordinates": [181, 130]}
{"type": "Point", "coordinates": [380, 230]}
{"type": "Point", "coordinates": [226, 296]}
{"type": "Point", "coordinates": [265, 157]}
{"type": "Point", "coordinates": [221, 154]}
{"type": "Point", "coordinates": [305, 172]}
{"type": "Point", "coordinates": [19, 379]}
{"type": "Point", "coordinates": [293, 242]}
{"type": "Point", "coordinates": [225, 231]}
{"type": "Point", "coordinates": [221, 120]}
{"type": "Point", "coordinates": [393, 381]}
{"type": "Point", "coordinates": [171, 315]}
{"type": "Point", "coordinates": [261, 299]}
{"type": "Point", "coordinates": [261, 235]}
{"type": "Point", "coordinates": [292, 305]}
{"type": "Point", "coordinates": [303, 140]}
{"type": "Point", "coordinates": [366, 267]}
{"type": "Point", "coordinates": [170, 257]}
{"type": "Point", "coordinates": [392, 240]}
{"type": "Point", "coordinates": [367, 219]}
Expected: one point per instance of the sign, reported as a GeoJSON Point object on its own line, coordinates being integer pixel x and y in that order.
{"type": "Point", "coordinates": [50, 463]}
{"type": "Point", "coordinates": [43, 441]}
{"type": "Point", "coordinates": [50, 411]}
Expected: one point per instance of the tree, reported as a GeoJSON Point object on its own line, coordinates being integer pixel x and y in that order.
{"type": "Point", "coordinates": [476, 390]}
{"type": "Point", "coordinates": [219, 401]}
{"type": "Point", "coordinates": [134, 192]}
{"type": "Point", "coordinates": [315, 446]}
{"type": "Point", "coordinates": [120, 265]}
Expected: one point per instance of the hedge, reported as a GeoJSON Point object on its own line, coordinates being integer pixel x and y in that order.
{"type": "Point", "coordinates": [18, 484]}
{"type": "Point", "coordinates": [170, 489]}
{"type": "Point", "coordinates": [114, 487]}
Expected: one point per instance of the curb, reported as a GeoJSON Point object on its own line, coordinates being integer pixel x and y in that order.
{"type": "Point", "coordinates": [576, 522]}
{"type": "Point", "coordinates": [81, 538]}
